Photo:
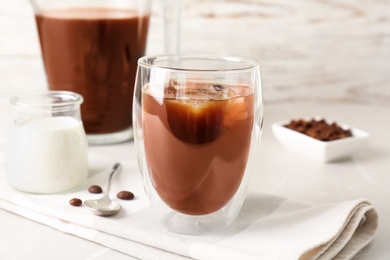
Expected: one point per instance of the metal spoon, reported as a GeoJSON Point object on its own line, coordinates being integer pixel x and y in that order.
{"type": "Point", "coordinates": [105, 206]}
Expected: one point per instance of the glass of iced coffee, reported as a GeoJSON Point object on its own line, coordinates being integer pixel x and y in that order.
{"type": "Point", "coordinates": [197, 122]}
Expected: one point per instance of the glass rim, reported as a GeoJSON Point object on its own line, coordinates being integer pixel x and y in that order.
{"type": "Point", "coordinates": [247, 63]}
{"type": "Point", "coordinates": [25, 101]}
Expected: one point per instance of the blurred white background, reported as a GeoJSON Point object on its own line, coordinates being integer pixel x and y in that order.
{"type": "Point", "coordinates": [334, 50]}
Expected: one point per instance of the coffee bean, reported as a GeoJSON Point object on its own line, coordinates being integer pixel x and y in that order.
{"type": "Point", "coordinates": [75, 202]}
{"type": "Point", "coordinates": [319, 129]}
{"type": "Point", "coordinates": [95, 189]}
{"type": "Point", "coordinates": [125, 195]}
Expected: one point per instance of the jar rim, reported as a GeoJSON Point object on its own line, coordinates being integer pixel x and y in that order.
{"type": "Point", "coordinates": [53, 99]}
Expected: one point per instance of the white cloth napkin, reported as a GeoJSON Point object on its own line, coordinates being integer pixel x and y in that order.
{"type": "Point", "coordinates": [268, 227]}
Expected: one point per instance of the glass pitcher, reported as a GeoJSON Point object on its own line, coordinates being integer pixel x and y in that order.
{"type": "Point", "coordinates": [91, 47]}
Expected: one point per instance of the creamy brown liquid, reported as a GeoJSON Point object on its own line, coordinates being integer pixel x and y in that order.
{"type": "Point", "coordinates": [197, 149]}
{"type": "Point", "coordinates": [94, 52]}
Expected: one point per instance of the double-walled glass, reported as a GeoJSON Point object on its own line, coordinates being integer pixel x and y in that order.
{"type": "Point", "coordinates": [197, 122]}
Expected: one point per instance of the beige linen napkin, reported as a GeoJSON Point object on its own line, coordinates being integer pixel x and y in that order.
{"type": "Point", "coordinates": [268, 227]}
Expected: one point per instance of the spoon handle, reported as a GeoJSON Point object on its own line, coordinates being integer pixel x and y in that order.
{"type": "Point", "coordinates": [116, 168]}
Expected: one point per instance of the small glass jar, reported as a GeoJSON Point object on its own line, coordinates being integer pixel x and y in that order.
{"type": "Point", "coordinates": [47, 149]}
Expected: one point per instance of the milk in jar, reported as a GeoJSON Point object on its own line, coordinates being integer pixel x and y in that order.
{"type": "Point", "coordinates": [47, 145]}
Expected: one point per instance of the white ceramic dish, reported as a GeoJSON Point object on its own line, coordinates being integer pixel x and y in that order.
{"type": "Point", "coordinates": [323, 151]}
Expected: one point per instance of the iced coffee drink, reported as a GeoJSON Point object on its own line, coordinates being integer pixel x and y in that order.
{"type": "Point", "coordinates": [197, 140]}
{"type": "Point", "coordinates": [197, 122]}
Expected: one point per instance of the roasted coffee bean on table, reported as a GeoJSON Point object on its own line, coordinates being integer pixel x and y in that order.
{"type": "Point", "coordinates": [75, 202]}
{"type": "Point", "coordinates": [125, 195]}
{"type": "Point", "coordinates": [96, 189]}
